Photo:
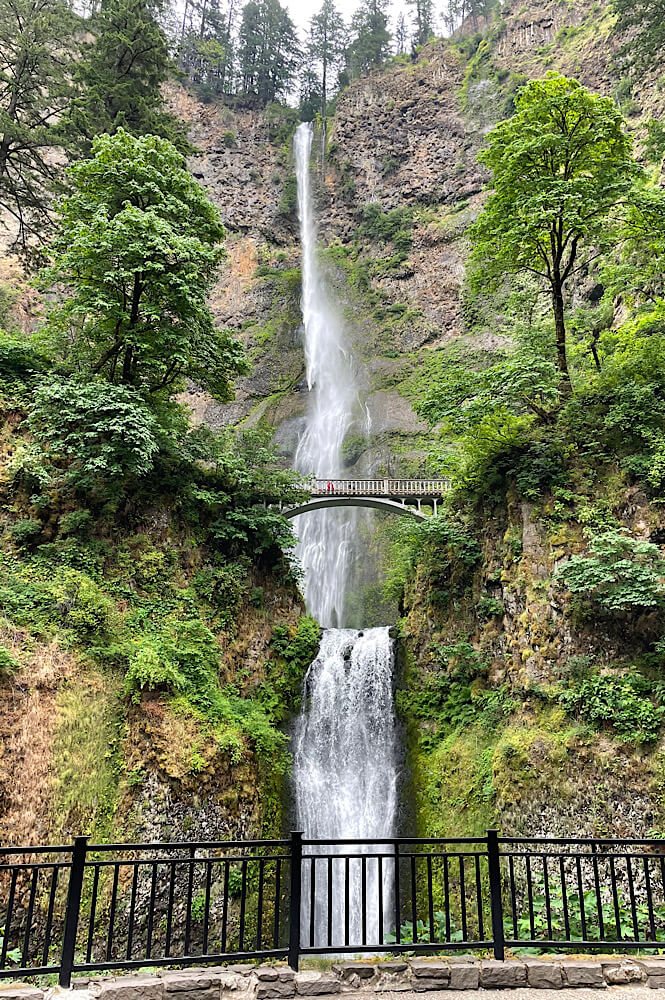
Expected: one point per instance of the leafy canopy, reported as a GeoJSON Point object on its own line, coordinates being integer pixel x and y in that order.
{"type": "Point", "coordinates": [138, 248]}
{"type": "Point", "coordinates": [621, 573]}
{"type": "Point", "coordinates": [561, 168]}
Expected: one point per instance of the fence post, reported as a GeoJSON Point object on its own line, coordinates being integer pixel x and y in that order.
{"type": "Point", "coordinates": [294, 903]}
{"type": "Point", "coordinates": [496, 903]}
{"type": "Point", "coordinates": [72, 911]}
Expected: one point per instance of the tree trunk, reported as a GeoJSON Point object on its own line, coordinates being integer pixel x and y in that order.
{"type": "Point", "coordinates": [560, 331]}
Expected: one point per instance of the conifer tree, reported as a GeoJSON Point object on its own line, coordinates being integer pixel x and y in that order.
{"type": "Point", "coordinates": [371, 38]}
{"type": "Point", "coordinates": [122, 72]}
{"type": "Point", "coordinates": [326, 45]}
{"type": "Point", "coordinates": [36, 46]}
{"type": "Point", "coordinates": [268, 50]}
{"type": "Point", "coordinates": [423, 17]}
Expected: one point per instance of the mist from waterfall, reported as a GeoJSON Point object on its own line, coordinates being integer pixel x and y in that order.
{"type": "Point", "coordinates": [345, 772]}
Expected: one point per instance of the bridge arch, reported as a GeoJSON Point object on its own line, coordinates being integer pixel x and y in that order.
{"type": "Point", "coordinates": [377, 503]}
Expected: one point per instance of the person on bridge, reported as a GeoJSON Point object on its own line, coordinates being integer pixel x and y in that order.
{"type": "Point", "coordinates": [330, 488]}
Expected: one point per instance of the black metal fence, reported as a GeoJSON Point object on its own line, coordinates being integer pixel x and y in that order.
{"type": "Point", "coordinates": [90, 907]}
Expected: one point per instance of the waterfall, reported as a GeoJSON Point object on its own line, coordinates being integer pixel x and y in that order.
{"type": "Point", "coordinates": [345, 742]}
{"type": "Point", "coordinates": [326, 537]}
{"type": "Point", "coordinates": [345, 770]}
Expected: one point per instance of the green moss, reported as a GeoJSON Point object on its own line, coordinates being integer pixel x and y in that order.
{"type": "Point", "coordinates": [87, 755]}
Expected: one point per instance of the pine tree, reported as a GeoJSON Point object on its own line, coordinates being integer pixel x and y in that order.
{"type": "Point", "coordinates": [326, 44]}
{"type": "Point", "coordinates": [122, 72]}
{"type": "Point", "coordinates": [423, 16]}
{"type": "Point", "coordinates": [371, 43]}
{"type": "Point", "coordinates": [268, 51]}
{"type": "Point", "coordinates": [36, 45]}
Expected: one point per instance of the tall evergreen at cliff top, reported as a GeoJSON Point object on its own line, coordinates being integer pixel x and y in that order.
{"type": "Point", "coordinates": [326, 45]}
{"type": "Point", "coordinates": [371, 44]}
{"type": "Point", "coordinates": [122, 72]}
{"type": "Point", "coordinates": [267, 50]}
{"type": "Point", "coordinates": [36, 43]}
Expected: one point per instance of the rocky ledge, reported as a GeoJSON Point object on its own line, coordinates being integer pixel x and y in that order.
{"type": "Point", "coordinates": [421, 975]}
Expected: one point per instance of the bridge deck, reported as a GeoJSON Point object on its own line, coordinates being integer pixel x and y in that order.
{"type": "Point", "coordinates": [394, 489]}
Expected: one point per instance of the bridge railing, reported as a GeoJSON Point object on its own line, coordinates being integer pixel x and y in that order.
{"type": "Point", "coordinates": [380, 487]}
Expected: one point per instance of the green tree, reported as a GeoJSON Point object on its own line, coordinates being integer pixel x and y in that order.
{"type": "Point", "coordinates": [268, 51]}
{"type": "Point", "coordinates": [643, 22]}
{"type": "Point", "coordinates": [121, 74]}
{"type": "Point", "coordinates": [327, 39]}
{"type": "Point", "coordinates": [423, 18]}
{"type": "Point", "coordinates": [562, 168]}
{"type": "Point", "coordinates": [138, 248]}
{"type": "Point", "coordinates": [36, 44]}
{"type": "Point", "coordinates": [370, 46]}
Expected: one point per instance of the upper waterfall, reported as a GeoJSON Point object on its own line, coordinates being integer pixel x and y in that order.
{"type": "Point", "coordinates": [325, 538]}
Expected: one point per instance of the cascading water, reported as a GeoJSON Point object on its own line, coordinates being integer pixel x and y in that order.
{"type": "Point", "coordinates": [345, 772]}
{"type": "Point", "coordinates": [326, 537]}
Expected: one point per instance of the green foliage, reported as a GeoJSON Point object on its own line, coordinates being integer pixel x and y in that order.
{"type": "Point", "coordinates": [620, 702]}
{"type": "Point", "coordinates": [38, 45]}
{"type": "Point", "coordinates": [121, 73]}
{"type": "Point", "coordinates": [621, 574]}
{"type": "Point", "coordinates": [370, 46]}
{"type": "Point", "coordinates": [138, 244]}
{"type": "Point", "coordinates": [562, 168]}
{"type": "Point", "coordinates": [642, 25]}
{"type": "Point", "coordinates": [20, 361]}
{"type": "Point", "coordinates": [268, 51]}
{"type": "Point", "coordinates": [8, 664]}
{"type": "Point", "coordinates": [295, 651]}
{"type": "Point", "coordinates": [25, 531]}
{"type": "Point", "coordinates": [83, 606]}
{"type": "Point", "coordinates": [102, 433]}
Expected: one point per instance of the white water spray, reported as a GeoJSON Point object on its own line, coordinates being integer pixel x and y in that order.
{"type": "Point", "coordinates": [345, 771]}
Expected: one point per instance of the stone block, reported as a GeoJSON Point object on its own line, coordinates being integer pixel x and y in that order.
{"type": "Point", "coordinates": [20, 991]}
{"type": "Point", "coordinates": [423, 969]}
{"type": "Point", "coordinates": [392, 967]}
{"type": "Point", "coordinates": [240, 970]}
{"type": "Point", "coordinates": [622, 972]}
{"type": "Point", "coordinates": [266, 974]}
{"type": "Point", "coordinates": [268, 990]}
{"type": "Point", "coordinates": [464, 975]}
{"type": "Point", "coordinates": [133, 988]}
{"type": "Point", "coordinates": [543, 975]}
{"type": "Point", "coordinates": [190, 981]}
{"type": "Point", "coordinates": [654, 970]}
{"type": "Point", "coordinates": [363, 970]}
{"type": "Point", "coordinates": [316, 984]}
{"type": "Point", "coordinates": [581, 973]}
{"type": "Point", "coordinates": [430, 985]}
{"type": "Point", "coordinates": [501, 975]}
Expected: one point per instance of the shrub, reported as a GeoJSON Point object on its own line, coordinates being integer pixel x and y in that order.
{"type": "Point", "coordinates": [8, 665]}
{"type": "Point", "coordinates": [619, 702]}
{"type": "Point", "coordinates": [83, 606]}
{"type": "Point", "coordinates": [229, 138]}
{"type": "Point", "coordinates": [150, 669]}
{"type": "Point", "coordinates": [102, 432]}
{"type": "Point", "coordinates": [620, 574]}
{"type": "Point", "coordinates": [25, 532]}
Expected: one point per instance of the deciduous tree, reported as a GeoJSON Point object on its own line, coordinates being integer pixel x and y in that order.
{"type": "Point", "coordinates": [138, 248]}
{"type": "Point", "coordinates": [562, 170]}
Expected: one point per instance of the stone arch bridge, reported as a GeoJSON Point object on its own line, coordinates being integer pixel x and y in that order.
{"type": "Point", "coordinates": [398, 496]}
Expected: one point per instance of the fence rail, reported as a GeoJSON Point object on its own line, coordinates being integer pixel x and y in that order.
{"type": "Point", "coordinates": [88, 907]}
{"type": "Point", "coordinates": [395, 488]}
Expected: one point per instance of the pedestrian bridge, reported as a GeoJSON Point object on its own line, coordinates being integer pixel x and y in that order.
{"type": "Point", "coordinates": [398, 496]}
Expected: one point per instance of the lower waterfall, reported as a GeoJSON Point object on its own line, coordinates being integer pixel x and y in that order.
{"type": "Point", "coordinates": [345, 772]}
